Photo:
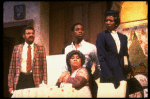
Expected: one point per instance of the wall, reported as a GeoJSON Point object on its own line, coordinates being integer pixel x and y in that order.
{"type": "Point", "coordinates": [53, 20]}
{"type": "Point", "coordinates": [96, 20]}
{"type": "Point", "coordinates": [90, 14]}
{"type": "Point", "coordinates": [44, 26]}
{"type": "Point", "coordinates": [57, 31]}
{"type": "Point", "coordinates": [33, 10]}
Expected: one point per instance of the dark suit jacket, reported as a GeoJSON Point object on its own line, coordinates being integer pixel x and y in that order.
{"type": "Point", "coordinates": [39, 66]}
{"type": "Point", "coordinates": [111, 62]}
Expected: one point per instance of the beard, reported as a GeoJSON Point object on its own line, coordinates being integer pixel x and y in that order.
{"type": "Point", "coordinates": [30, 40]}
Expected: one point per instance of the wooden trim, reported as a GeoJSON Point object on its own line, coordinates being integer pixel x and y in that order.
{"type": "Point", "coordinates": [18, 23]}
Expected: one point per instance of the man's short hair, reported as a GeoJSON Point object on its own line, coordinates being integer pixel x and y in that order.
{"type": "Point", "coordinates": [73, 27]}
{"type": "Point", "coordinates": [27, 27]}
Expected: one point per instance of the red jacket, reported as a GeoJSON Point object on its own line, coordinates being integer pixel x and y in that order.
{"type": "Point", "coordinates": [39, 66]}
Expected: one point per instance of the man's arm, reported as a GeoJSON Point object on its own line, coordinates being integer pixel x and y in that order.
{"type": "Point", "coordinates": [126, 54]}
{"type": "Point", "coordinates": [12, 70]}
{"type": "Point", "coordinates": [44, 65]}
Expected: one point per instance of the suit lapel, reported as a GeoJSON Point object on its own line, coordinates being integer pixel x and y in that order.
{"type": "Point", "coordinates": [35, 51]}
{"type": "Point", "coordinates": [121, 41]}
{"type": "Point", "coordinates": [111, 41]}
{"type": "Point", "coordinates": [20, 52]}
{"type": "Point", "coordinates": [20, 49]}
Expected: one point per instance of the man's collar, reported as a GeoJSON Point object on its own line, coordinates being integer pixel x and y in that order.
{"type": "Point", "coordinates": [114, 32]}
{"type": "Point", "coordinates": [108, 31]}
{"type": "Point", "coordinates": [80, 44]}
{"type": "Point", "coordinates": [31, 45]}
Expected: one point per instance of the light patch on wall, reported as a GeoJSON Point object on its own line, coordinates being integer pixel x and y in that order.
{"type": "Point", "coordinates": [133, 10]}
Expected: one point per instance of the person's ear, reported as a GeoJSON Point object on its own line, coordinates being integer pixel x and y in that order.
{"type": "Point", "coordinates": [23, 35]}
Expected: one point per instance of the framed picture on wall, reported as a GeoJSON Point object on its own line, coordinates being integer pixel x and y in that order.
{"type": "Point", "coordinates": [19, 12]}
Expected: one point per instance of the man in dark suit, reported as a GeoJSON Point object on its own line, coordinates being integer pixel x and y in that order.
{"type": "Point", "coordinates": [28, 66]}
{"type": "Point", "coordinates": [112, 51]}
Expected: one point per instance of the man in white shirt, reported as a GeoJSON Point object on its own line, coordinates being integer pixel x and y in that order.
{"type": "Point", "coordinates": [88, 49]}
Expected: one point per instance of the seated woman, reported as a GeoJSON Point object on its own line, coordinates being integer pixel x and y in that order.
{"type": "Point", "coordinates": [76, 74]}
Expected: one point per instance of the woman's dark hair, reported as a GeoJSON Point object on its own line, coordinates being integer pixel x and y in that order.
{"type": "Point", "coordinates": [70, 54]}
{"type": "Point", "coordinates": [73, 27]}
{"type": "Point", "coordinates": [27, 27]}
{"type": "Point", "coordinates": [115, 14]}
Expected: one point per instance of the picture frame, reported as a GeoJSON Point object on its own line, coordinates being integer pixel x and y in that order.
{"type": "Point", "coordinates": [19, 12]}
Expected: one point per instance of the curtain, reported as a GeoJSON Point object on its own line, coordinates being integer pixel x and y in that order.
{"type": "Point", "coordinates": [142, 35]}
{"type": "Point", "coordinates": [140, 31]}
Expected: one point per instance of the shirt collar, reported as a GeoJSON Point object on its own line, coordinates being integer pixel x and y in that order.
{"type": "Point", "coordinates": [114, 32]}
{"type": "Point", "coordinates": [26, 45]}
{"type": "Point", "coordinates": [80, 44]}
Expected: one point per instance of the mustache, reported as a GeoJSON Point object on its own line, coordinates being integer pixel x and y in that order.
{"type": "Point", "coordinates": [31, 37]}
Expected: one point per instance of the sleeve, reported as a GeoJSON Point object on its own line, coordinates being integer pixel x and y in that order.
{"type": "Point", "coordinates": [126, 48]}
{"type": "Point", "coordinates": [80, 79]}
{"type": "Point", "coordinates": [101, 53]}
{"type": "Point", "coordinates": [94, 58]}
{"type": "Point", "coordinates": [44, 63]}
{"type": "Point", "coordinates": [12, 69]}
{"type": "Point", "coordinates": [126, 54]}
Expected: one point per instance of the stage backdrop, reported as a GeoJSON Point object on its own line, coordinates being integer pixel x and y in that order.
{"type": "Point", "coordinates": [137, 33]}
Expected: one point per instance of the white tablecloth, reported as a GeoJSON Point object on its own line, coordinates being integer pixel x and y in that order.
{"type": "Point", "coordinates": [105, 90]}
{"type": "Point", "coordinates": [49, 92]}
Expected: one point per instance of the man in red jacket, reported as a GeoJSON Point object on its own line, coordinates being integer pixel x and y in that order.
{"type": "Point", "coordinates": [28, 67]}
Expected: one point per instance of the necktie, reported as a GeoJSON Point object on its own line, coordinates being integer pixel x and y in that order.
{"type": "Point", "coordinates": [29, 59]}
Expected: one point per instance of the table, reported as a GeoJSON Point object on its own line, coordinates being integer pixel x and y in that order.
{"type": "Point", "coordinates": [49, 92]}
{"type": "Point", "coordinates": [105, 90]}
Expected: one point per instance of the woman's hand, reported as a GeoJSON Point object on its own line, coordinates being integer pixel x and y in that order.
{"type": "Point", "coordinates": [63, 75]}
{"type": "Point", "coordinates": [65, 78]}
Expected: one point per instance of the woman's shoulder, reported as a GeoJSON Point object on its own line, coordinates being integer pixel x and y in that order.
{"type": "Point", "coordinates": [102, 33]}
{"type": "Point", "coordinates": [83, 69]}
{"type": "Point", "coordinates": [83, 72]}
